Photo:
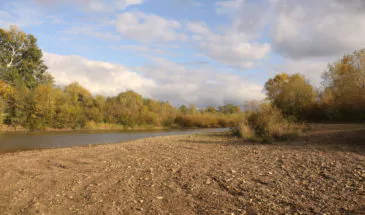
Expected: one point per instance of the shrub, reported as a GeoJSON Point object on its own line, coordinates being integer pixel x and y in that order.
{"type": "Point", "coordinates": [267, 123]}
{"type": "Point", "coordinates": [244, 130]}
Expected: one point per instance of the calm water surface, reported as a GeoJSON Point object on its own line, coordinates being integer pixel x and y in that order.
{"type": "Point", "coordinates": [10, 142]}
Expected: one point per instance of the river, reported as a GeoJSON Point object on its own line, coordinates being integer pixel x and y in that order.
{"type": "Point", "coordinates": [21, 141]}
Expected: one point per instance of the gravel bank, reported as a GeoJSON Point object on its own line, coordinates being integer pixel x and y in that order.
{"type": "Point", "coordinates": [323, 173]}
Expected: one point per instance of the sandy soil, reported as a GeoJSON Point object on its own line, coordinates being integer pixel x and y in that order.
{"type": "Point", "coordinates": [323, 173]}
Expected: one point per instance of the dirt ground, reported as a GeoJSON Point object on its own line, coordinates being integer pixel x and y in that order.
{"type": "Point", "coordinates": [323, 173]}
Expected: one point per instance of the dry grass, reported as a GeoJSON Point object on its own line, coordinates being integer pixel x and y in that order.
{"type": "Point", "coordinates": [208, 120]}
{"type": "Point", "coordinates": [267, 123]}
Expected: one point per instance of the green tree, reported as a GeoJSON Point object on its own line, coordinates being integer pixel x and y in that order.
{"type": "Point", "coordinates": [21, 59]}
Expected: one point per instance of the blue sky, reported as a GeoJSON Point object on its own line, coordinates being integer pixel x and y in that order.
{"type": "Point", "coordinates": [187, 51]}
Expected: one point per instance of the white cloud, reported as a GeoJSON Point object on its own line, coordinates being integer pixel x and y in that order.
{"type": "Point", "coordinates": [231, 48]}
{"type": "Point", "coordinates": [98, 77]}
{"type": "Point", "coordinates": [318, 28]}
{"type": "Point", "coordinates": [162, 79]}
{"type": "Point", "coordinates": [311, 69]}
{"type": "Point", "coordinates": [300, 29]}
{"type": "Point", "coordinates": [247, 17]}
{"type": "Point", "coordinates": [202, 86]}
{"type": "Point", "coordinates": [148, 27]}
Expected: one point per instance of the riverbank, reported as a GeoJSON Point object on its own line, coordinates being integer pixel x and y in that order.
{"type": "Point", "coordinates": [7, 129]}
{"type": "Point", "coordinates": [191, 174]}
{"type": "Point", "coordinates": [104, 127]}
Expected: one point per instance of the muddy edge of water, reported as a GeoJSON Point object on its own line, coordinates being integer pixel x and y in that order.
{"type": "Point", "coordinates": [21, 141]}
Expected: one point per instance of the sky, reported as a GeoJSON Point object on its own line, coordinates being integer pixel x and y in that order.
{"type": "Point", "coordinates": [188, 51]}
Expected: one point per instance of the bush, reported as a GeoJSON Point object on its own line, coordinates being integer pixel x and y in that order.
{"type": "Point", "coordinates": [267, 123]}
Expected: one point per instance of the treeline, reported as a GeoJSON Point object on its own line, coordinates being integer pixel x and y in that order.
{"type": "Point", "coordinates": [291, 100]}
{"type": "Point", "coordinates": [73, 106]}
{"type": "Point", "coordinates": [29, 99]}
{"type": "Point", "coordinates": [341, 98]}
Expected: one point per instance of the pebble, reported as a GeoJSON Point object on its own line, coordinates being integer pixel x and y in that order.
{"type": "Point", "coordinates": [159, 197]}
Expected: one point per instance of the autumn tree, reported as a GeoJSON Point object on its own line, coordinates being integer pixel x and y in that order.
{"type": "Point", "coordinates": [80, 101]}
{"type": "Point", "coordinates": [292, 94]}
{"type": "Point", "coordinates": [183, 109]}
{"type": "Point", "coordinates": [344, 87]}
{"type": "Point", "coordinates": [229, 109]}
{"type": "Point", "coordinates": [28, 98]}
{"type": "Point", "coordinates": [192, 109]}
{"type": "Point", "coordinates": [6, 93]}
{"type": "Point", "coordinates": [18, 110]}
{"type": "Point", "coordinates": [211, 109]}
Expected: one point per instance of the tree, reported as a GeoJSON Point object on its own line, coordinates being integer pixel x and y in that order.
{"type": "Point", "coordinates": [6, 93]}
{"type": "Point", "coordinates": [183, 109]}
{"type": "Point", "coordinates": [211, 109]}
{"type": "Point", "coordinates": [290, 93]}
{"type": "Point", "coordinates": [96, 111]}
{"type": "Point", "coordinates": [192, 109]}
{"type": "Point", "coordinates": [80, 101]}
{"type": "Point", "coordinates": [43, 107]}
{"type": "Point", "coordinates": [18, 110]}
{"type": "Point", "coordinates": [21, 59]}
{"type": "Point", "coordinates": [125, 109]}
{"type": "Point", "coordinates": [344, 87]}
{"type": "Point", "coordinates": [229, 109]}
{"type": "Point", "coordinates": [29, 99]}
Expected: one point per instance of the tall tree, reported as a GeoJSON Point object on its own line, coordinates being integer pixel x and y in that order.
{"type": "Point", "coordinates": [290, 93]}
{"type": "Point", "coordinates": [80, 101]}
{"type": "Point", "coordinates": [344, 87]}
{"type": "Point", "coordinates": [6, 94]}
{"type": "Point", "coordinates": [21, 59]}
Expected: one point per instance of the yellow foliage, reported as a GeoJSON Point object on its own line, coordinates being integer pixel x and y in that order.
{"type": "Point", "coordinates": [6, 90]}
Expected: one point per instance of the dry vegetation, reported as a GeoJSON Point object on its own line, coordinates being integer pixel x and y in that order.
{"type": "Point", "coordinates": [267, 124]}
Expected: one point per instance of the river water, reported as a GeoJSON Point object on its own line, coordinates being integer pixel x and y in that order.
{"type": "Point", "coordinates": [20, 141]}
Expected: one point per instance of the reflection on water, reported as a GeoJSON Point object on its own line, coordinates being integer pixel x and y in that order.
{"type": "Point", "coordinates": [10, 142]}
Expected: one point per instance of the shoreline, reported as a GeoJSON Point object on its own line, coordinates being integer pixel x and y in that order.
{"type": "Point", "coordinates": [50, 130]}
